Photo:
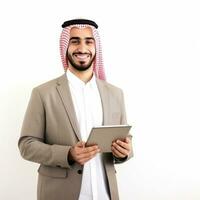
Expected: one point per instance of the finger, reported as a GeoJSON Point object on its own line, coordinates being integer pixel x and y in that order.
{"type": "Point", "coordinates": [127, 140]}
{"type": "Point", "coordinates": [84, 160]}
{"type": "Point", "coordinates": [117, 153]}
{"type": "Point", "coordinates": [86, 152]}
{"type": "Point", "coordinates": [79, 147]}
{"type": "Point", "coordinates": [121, 149]}
{"type": "Point", "coordinates": [114, 152]}
{"type": "Point", "coordinates": [88, 155]}
{"type": "Point", "coordinates": [80, 144]}
{"type": "Point", "coordinates": [123, 144]}
{"type": "Point", "coordinates": [90, 148]}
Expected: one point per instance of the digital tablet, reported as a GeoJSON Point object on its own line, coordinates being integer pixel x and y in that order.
{"type": "Point", "coordinates": [103, 136]}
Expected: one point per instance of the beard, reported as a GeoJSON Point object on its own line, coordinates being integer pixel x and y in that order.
{"type": "Point", "coordinates": [81, 66]}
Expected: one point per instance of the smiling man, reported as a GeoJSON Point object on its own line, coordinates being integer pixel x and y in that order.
{"type": "Point", "coordinates": [59, 118]}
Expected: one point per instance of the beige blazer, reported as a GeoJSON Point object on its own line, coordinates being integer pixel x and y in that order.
{"type": "Point", "coordinates": [50, 128]}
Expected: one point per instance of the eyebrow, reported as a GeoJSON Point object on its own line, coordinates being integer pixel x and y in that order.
{"type": "Point", "coordinates": [78, 38]}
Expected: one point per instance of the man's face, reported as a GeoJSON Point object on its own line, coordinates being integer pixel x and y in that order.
{"type": "Point", "coordinates": [81, 48]}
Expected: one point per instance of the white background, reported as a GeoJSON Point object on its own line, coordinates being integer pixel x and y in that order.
{"type": "Point", "coordinates": [151, 50]}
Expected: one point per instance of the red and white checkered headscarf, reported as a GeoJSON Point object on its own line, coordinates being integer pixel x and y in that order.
{"type": "Point", "coordinates": [98, 67]}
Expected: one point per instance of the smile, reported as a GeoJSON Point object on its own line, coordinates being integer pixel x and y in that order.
{"type": "Point", "coordinates": [82, 56]}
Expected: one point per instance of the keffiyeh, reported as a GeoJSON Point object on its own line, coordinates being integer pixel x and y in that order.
{"type": "Point", "coordinates": [98, 67]}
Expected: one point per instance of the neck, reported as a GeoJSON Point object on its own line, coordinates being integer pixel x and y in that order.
{"type": "Point", "coordinates": [85, 76]}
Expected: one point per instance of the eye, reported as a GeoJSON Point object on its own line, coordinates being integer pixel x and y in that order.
{"type": "Point", "coordinates": [74, 41]}
{"type": "Point", "coordinates": [89, 42]}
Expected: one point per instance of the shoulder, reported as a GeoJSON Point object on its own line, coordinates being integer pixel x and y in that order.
{"type": "Point", "coordinates": [48, 88]}
{"type": "Point", "coordinates": [49, 85]}
{"type": "Point", "coordinates": [110, 87]}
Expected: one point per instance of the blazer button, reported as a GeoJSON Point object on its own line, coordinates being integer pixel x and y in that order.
{"type": "Point", "coordinates": [79, 171]}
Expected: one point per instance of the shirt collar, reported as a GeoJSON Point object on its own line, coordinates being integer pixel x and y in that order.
{"type": "Point", "coordinates": [76, 82]}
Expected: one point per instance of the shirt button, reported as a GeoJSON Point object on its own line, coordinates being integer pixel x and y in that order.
{"type": "Point", "coordinates": [79, 171]}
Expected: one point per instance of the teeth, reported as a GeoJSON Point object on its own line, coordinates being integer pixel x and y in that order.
{"type": "Point", "coordinates": [80, 56]}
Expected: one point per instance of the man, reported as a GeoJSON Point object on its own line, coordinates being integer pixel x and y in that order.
{"type": "Point", "coordinates": [60, 116]}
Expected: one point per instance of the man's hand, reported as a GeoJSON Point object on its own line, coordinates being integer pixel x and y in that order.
{"type": "Point", "coordinates": [121, 148]}
{"type": "Point", "coordinates": [81, 154]}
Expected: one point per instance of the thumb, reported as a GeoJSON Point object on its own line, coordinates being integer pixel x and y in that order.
{"type": "Point", "coordinates": [80, 144]}
{"type": "Point", "coordinates": [127, 140]}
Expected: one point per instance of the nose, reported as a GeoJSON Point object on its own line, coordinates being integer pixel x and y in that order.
{"type": "Point", "coordinates": [82, 47]}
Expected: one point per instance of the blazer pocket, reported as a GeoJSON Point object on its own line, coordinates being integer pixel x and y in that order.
{"type": "Point", "coordinates": [55, 172]}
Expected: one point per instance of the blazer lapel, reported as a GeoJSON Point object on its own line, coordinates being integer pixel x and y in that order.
{"type": "Point", "coordinates": [104, 99]}
{"type": "Point", "coordinates": [64, 92]}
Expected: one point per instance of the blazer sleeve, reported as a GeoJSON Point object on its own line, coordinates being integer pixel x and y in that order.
{"type": "Point", "coordinates": [31, 142]}
{"type": "Point", "coordinates": [123, 121]}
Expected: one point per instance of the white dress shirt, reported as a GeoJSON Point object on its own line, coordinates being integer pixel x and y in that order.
{"type": "Point", "coordinates": [88, 108]}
